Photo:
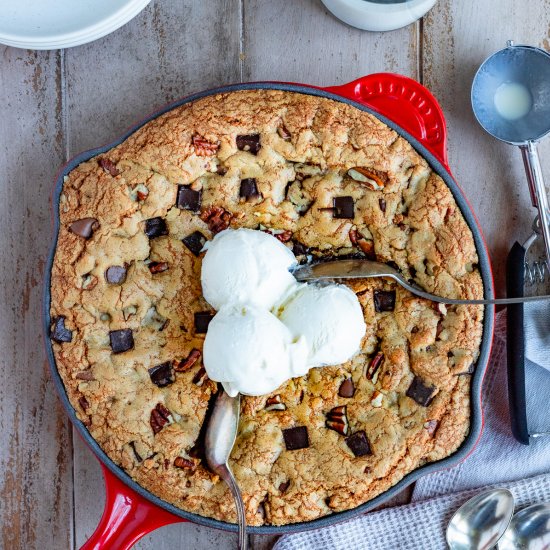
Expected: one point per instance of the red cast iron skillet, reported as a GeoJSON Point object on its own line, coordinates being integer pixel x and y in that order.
{"type": "Point", "coordinates": [411, 110]}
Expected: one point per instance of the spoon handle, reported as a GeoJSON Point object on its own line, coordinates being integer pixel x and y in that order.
{"type": "Point", "coordinates": [227, 475]}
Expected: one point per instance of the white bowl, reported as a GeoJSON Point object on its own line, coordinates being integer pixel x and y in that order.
{"type": "Point", "coordinates": [53, 24]}
{"type": "Point", "coordinates": [379, 15]}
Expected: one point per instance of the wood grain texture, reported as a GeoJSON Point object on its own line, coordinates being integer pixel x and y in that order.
{"type": "Point", "coordinates": [35, 449]}
{"type": "Point", "coordinates": [302, 42]}
{"type": "Point", "coordinates": [170, 50]}
{"type": "Point", "coordinates": [457, 37]}
{"type": "Point", "coordinates": [59, 103]}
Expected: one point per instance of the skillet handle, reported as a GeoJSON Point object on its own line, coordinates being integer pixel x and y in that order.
{"type": "Point", "coordinates": [126, 518]}
{"type": "Point", "coordinates": [405, 102]}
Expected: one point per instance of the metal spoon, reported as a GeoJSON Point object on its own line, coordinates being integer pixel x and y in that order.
{"type": "Point", "coordinates": [366, 269]}
{"type": "Point", "coordinates": [481, 521]}
{"type": "Point", "coordinates": [220, 436]}
{"type": "Point", "coordinates": [528, 530]}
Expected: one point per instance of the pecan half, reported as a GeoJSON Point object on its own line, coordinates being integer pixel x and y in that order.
{"type": "Point", "coordinates": [160, 416]}
{"type": "Point", "coordinates": [201, 377]}
{"type": "Point", "coordinates": [180, 365]}
{"type": "Point", "coordinates": [337, 420]}
{"type": "Point", "coordinates": [109, 167]}
{"type": "Point", "coordinates": [275, 403]}
{"type": "Point", "coordinates": [184, 463]}
{"type": "Point", "coordinates": [283, 235]}
{"type": "Point", "coordinates": [83, 402]}
{"type": "Point", "coordinates": [203, 147]}
{"type": "Point", "coordinates": [431, 426]}
{"type": "Point", "coordinates": [283, 132]}
{"type": "Point", "coordinates": [374, 365]}
{"type": "Point", "coordinates": [158, 267]}
{"type": "Point", "coordinates": [217, 218]}
{"type": "Point", "coordinates": [371, 178]}
{"type": "Point", "coordinates": [376, 400]}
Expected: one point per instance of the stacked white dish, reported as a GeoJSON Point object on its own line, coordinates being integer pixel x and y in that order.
{"type": "Point", "coordinates": [54, 24]}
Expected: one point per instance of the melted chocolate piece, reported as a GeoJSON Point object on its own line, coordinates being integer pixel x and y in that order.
{"type": "Point", "coordinates": [155, 227]}
{"type": "Point", "coordinates": [248, 189]}
{"type": "Point", "coordinates": [344, 208]}
{"type": "Point", "coordinates": [359, 444]}
{"type": "Point", "coordinates": [195, 242]}
{"type": "Point", "coordinates": [84, 227]}
{"type": "Point", "coordinates": [299, 249]}
{"type": "Point", "coordinates": [58, 332]}
{"type": "Point", "coordinates": [202, 320]}
{"type": "Point", "coordinates": [347, 389]}
{"type": "Point", "coordinates": [420, 392]}
{"type": "Point", "coordinates": [188, 199]}
{"type": "Point", "coordinates": [250, 143]}
{"type": "Point", "coordinates": [115, 274]}
{"type": "Point", "coordinates": [384, 300]}
{"type": "Point", "coordinates": [162, 375]}
{"type": "Point", "coordinates": [121, 340]}
{"type": "Point", "coordinates": [296, 438]}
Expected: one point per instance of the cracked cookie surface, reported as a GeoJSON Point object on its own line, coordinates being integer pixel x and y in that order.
{"type": "Point", "coordinates": [128, 316]}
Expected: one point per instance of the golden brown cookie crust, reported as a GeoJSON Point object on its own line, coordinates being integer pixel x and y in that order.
{"type": "Point", "coordinates": [307, 146]}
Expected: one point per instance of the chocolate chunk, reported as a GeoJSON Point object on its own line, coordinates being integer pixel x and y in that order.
{"type": "Point", "coordinates": [283, 487]}
{"type": "Point", "coordinates": [155, 227]}
{"type": "Point", "coordinates": [58, 332]}
{"type": "Point", "coordinates": [296, 438]}
{"type": "Point", "coordinates": [202, 320]}
{"type": "Point", "coordinates": [382, 204]}
{"type": "Point", "coordinates": [162, 375]}
{"type": "Point", "coordinates": [109, 167]}
{"type": "Point", "coordinates": [121, 340]}
{"type": "Point", "coordinates": [248, 189]}
{"type": "Point", "coordinates": [420, 392]}
{"type": "Point", "coordinates": [115, 274]}
{"type": "Point", "coordinates": [195, 242]}
{"type": "Point", "coordinates": [157, 267]}
{"type": "Point", "coordinates": [384, 300]}
{"type": "Point", "coordinates": [347, 389]}
{"type": "Point", "coordinates": [343, 208]}
{"type": "Point", "coordinates": [188, 199]}
{"type": "Point", "coordinates": [249, 143]}
{"type": "Point", "coordinates": [84, 227]}
{"type": "Point", "coordinates": [299, 249]}
{"type": "Point", "coordinates": [359, 444]}
{"type": "Point", "coordinates": [160, 416]}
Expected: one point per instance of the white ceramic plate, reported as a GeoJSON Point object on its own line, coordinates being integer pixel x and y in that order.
{"type": "Point", "coordinates": [52, 24]}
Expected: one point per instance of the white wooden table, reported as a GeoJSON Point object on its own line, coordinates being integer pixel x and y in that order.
{"type": "Point", "coordinates": [55, 104]}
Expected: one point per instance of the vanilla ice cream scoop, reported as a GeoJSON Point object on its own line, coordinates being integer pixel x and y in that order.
{"type": "Point", "coordinates": [250, 351]}
{"type": "Point", "coordinates": [330, 319]}
{"type": "Point", "coordinates": [245, 266]}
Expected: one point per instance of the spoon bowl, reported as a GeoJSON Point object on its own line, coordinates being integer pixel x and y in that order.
{"type": "Point", "coordinates": [481, 521]}
{"type": "Point", "coordinates": [528, 530]}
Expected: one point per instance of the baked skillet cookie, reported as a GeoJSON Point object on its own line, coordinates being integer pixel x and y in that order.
{"type": "Point", "coordinates": [128, 316]}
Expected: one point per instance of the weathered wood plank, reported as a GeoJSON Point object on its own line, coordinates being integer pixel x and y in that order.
{"type": "Point", "coordinates": [458, 36]}
{"type": "Point", "coordinates": [35, 454]}
{"type": "Point", "coordinates": [171, 49]}
{"type": "Point", "coordinates": [303, 42]}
